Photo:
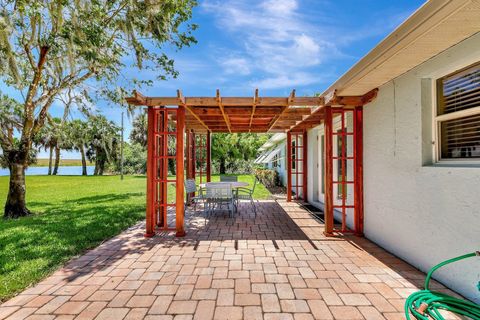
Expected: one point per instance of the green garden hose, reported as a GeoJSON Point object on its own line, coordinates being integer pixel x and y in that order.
{"type": "Point", "coordinates": [426, 304]}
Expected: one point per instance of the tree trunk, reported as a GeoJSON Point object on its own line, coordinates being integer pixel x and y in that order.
{"type": "Point", "coordinates": [84, 162]}
{"type": "Point", "coordinates": [222, 166]}
{"type": "Point", "coordinates": [57, 160]}
{"type": "Point", "coordinates": [50, 161]}
{"type": "Point", "coordinates": [95, 171]}
{"type": "Point", "coordinates": [16, 206]}
{"type": "Point", "coordinates": [101, 167]}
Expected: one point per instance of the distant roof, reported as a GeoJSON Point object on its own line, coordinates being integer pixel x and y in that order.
{"type": "Point", "coordinates": [268, 156]}
{"type": "Point", "coordinates": [274, 140]}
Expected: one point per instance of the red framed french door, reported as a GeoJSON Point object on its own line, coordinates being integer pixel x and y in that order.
{"type": "Point", "coordinates": [297, 166]}
{"type": "Point", "coordinates": [165, 169]}
{"type": "Point", "coordinates": [343, 190]}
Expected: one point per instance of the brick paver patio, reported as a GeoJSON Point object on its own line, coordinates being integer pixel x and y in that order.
{"type": "Point", "coordinates": [277, 266]}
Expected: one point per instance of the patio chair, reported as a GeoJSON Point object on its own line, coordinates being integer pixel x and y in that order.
{"type": "Point", "coordinates": [191, 187]}
{"type": "Point", "coordinates": [218, 194]}
{"type": "Point", "coordinates": [228, 178]}
{"type": "Point", "coordinates": [243, 193]}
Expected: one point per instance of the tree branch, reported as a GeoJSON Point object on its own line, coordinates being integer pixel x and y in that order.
{"type": "Point", "coordinates": [5, 142]}
{"type": "Point", "coordinates": [50, 96]}
{"type": "Point", "coordinates": [29, 107]}
{"type": "Point", "coordinates": [28, 52]}
{"type": "Point", "coordinates": [116, 12]}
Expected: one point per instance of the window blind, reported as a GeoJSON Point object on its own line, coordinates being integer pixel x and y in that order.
{"type": "Point", "coordinates": [459, 91]}
{"type": "Point", "coordinates": [461, 137]}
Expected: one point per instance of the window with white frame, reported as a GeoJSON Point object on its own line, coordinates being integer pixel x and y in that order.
{"type": "Point", "coordinates": [275, 163]}
{"type": "Point", "coordinates": [458, 115]}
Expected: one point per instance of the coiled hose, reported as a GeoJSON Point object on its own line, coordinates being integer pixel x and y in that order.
{"type": "Point", "coordinates": [426, 304]}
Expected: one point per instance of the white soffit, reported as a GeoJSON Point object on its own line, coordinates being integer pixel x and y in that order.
{"type": "Point", "coordinates": [436, 26]}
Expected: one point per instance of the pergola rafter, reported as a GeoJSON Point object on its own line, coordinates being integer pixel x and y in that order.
{"type": "Point", "coordinates": [275, 119]}
{"type": "Point", "coordinates": [225, 117]}
{"type": "Point", "coordinates": [254, 106]}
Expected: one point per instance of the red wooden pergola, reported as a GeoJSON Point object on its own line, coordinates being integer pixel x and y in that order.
{"type": "Point", "coordinates": [192, 120]}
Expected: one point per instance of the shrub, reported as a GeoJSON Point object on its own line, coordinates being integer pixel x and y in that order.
{"type": "Point", "coordinates": [238, 166]}
{"type": "Point", "coordinates": [135, 160]}
{"type": "Point", "coordinates": [269, 178]}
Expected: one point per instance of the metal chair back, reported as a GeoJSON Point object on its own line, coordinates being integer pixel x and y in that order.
{"type": "Point", "coordinates": [254, 184]}
{"type": "Point", "coordinates": [190, 186]}
{"type": "Point", "coordinates": [218, 191]}
{"type": "Point", "coordinates": [228, 178]}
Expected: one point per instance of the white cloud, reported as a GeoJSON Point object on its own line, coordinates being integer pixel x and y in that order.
{"type": "Point", "coordinates": [279, 7]}
{"type": "Point", "coordinates": [275, 40]}
{"type": "Point", "coordinates": [285, 81]}
{"type": "Point", "coordinates": [236, 65]}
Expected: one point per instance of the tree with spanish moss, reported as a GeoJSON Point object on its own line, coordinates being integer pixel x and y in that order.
{"type": "Point", "coordinates": [49, 47]}
{"type": "Point", "coordinates": [103, 142]}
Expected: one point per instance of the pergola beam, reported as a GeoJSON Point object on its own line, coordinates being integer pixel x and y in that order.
{"type": "Point", "coordinates": [138, 99]}
{"type": "Point", "coordinates": [332, 99]}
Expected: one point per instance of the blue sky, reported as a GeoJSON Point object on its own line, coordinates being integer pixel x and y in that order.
{"type": "Point", "coordinates": [275, 46]}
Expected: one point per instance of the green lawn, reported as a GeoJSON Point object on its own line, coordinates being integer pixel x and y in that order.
{"type": "Point", "coordinates": [73, 214]}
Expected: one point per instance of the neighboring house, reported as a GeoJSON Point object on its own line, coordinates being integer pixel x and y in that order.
{"type": "Point", "coordinates": [421, 158]}
{"type": "Point", "coordinates": [273, 154]}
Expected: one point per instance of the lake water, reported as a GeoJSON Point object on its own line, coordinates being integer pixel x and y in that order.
{"type": "Point", "coordinates": [62, 171]}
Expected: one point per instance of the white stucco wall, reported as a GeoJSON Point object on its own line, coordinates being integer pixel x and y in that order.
{"type": "Point", "coordinates": [421, 211]}
{"type": "Point", "coordinates": [282, 169]}
{"type": "Point", "coordinates": [312, 159]}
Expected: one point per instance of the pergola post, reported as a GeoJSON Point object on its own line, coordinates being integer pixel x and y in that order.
{"type": "Point", "coordinates": [358, 169]}
{"type": "Point", "coordinates": [150, 214]}
{"type": "Point", "coordinates": [189, 160]}
{"type": "Point", "coordinates": [289, 166]}
{"type": "Point", "coordinates": [305, 165]}
{"type": "Point", "coordinates": [194, 155]}
{"type": "Point", "coordinates": [188, 155]}
{"type": "Point", "coordinates": [328, 171]}
{"type": "Point", "coordinates": [179, 205]}
{"type": "Point", "coordinates": [209, 156]}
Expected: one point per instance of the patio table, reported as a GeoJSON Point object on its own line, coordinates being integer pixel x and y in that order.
{"type": "Point", "coordinates": [234, 184]}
